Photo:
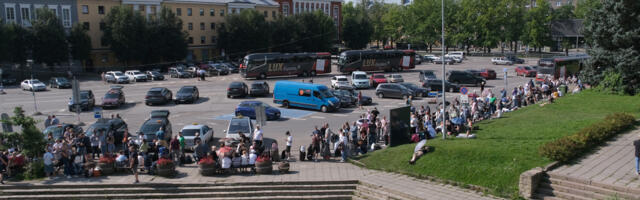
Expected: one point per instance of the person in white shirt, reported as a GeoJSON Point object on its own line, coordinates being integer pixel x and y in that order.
{"type": "Point", "coordinates": [257, 137]}
{"type": "Point", "coordinates": [252, 157]}
{"type": "Point", "coordinates": [289, 143]}
{"type": "Point", "coordinates": [48, 163]}
{"type": "Point", "coordinates": [226, 162]}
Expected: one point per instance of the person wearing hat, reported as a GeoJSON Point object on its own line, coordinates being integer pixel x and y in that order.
{"type": "Point", "coordinates": [636, 144]}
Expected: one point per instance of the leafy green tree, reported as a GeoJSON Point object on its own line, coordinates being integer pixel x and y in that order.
{"type": "Point", "coordinates": [244, 33]}
{"type": "Point", "coordinates": [80, 42]}
{"type": "Point", "coordinates": [375, 13]}
{"type": "Point", "coordinates": [356, 29]}
{"type": "Point", "coordinates": [285, 34]}
{"type": "Point", "coordinates": [394, 21]}
{"type": "Point", "coordinates": [50, 45]}
{"type": "Point", "coordinates": [19, 41]}
{"type": "Point", "coordinates": [612, 32]}
{"type": "Point", "coordinates": [536, 29]}
{"type": "Point", "coordinates": [318, 31]}
{"type": "Point", "coordinates": [514, 21]}
{"type": "Point", "coordinates": [564, 12]}
{"type": "Point", "coordinates": [32, 139]}
{"type": "Point", "coordinates": [166, 39]}
{"type": "Point", "coordinates": [124, 33]}
{"type": "Point", "coordinates": [584, 8]}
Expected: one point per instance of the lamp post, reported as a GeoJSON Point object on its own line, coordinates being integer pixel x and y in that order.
{"type": "Point", "coordinates": [444, 89]}
{"type": "Point", "coordinates": [33, 93]}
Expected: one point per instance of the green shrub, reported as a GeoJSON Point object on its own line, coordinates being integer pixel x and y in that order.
{"type": "Point", "coordinates": [34, 170]}
{"type": "Point", "coordinates": [572, 146]}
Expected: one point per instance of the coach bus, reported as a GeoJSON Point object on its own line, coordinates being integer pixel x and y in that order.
{"type": "Point", "coordinates": [263, 65]}
{"type": "Point", "coordinates": [376, 60]}
{"type": "Point", "coordinates": [559, 67]}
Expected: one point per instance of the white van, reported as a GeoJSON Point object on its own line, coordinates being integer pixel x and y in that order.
{"type": "Point", "coordinates": [457, 54]}
{"type": "Point", "coordinates": [359, 79]}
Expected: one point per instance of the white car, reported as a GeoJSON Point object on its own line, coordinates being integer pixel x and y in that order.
{"type": "Point", "coordinates": [116, 77]}
{"type": "Point", "coordinates": [239, 125]}
{"type": "Point", "coordinates": [359, 79]}
{"type": "Point", "coordinates": [136, 75]}
{"type": "Point", "coordinates": [501, 61]}
{"type": "Point", "coordinates": [395, 78]}
{"type": "Point", "coordinates": [189, 133]}
{"type": "Point", "coordinates": [33, 85]}
{"type": "Point", "coordinates": [339, 82]}
{"type": "Point", "coordinates": [458, 56]}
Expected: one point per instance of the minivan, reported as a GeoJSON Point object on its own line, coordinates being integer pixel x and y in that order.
{"type": "Point", "coordinates": [304, 95]}
{"type": "Point", "coordinates": [464, 78]}
{"type": "Point", "coordinates": [359, 79]}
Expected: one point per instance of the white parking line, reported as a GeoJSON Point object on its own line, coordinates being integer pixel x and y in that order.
{"type": "Point", "coordinates": [301, 119]}
{"type": "Point", "coordinates": [340, 115]}
{"type": "Point", "coordinates": [318, 117]}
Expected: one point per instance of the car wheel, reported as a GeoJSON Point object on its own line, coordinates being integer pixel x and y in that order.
{"type": "Point", "coordinates": [324, 109]}
{"type": "Point", "coordinates": [380, 95]}
{"type": "Point", "coordinates": [494, 63]}
{"type": "Point", "coordinates": [285, 104]}
{"type": "Point", "coordinates": [263, 76]}
{"type": "Point", "coordinates": [313, 73]}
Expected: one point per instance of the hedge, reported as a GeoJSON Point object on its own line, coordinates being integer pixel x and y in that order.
{"type": "Point", "coordinates": [573, 146]}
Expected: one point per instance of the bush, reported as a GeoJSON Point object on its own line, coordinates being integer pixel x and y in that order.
{"type": "Point", "coordinates": [572, 146]}
{"type": "Point", "coordinates": [34, 170]}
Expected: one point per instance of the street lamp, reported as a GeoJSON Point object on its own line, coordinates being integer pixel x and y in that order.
{"type": "Point", "coordinates": [444, 89]}
{"type": "Point", "coordinates": [33, 92]}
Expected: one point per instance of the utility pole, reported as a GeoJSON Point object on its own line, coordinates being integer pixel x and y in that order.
{"type": "Point", "coordinates": [444, 89]}
{"type": "Point", "coordinates": [33, 93]}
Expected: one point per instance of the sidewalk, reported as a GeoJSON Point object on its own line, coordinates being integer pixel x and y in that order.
{"type": "Point", "coordinates": [300, 171]}
{"type": "Point", "coordinates": [613, 164]}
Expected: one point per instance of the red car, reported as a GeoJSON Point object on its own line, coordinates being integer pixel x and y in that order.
{"type": "Point", "coordinates": [376, 79]}
{"type": "Point", "coordinates": [484, 73]}
{"type": "Point", "coordinates": [525, 71]}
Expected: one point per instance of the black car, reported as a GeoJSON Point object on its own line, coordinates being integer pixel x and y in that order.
{"type": "Point", "coordinates": [115, 127]}
{"type": "Point", "coordinates": [464, 78]}
{"type": "Point", "coordinates": [154, 75]}
{"type": "Point", "coordinates": [7, 79]}
{"type": "Point", "coordinates": [259, 88]}
{"type": "Point", "coordinates": [513, 58]}
{"type": "Point", "coordinates": [159, 119]}
{"type": "Point", "coordinates": [436, 85]}
{"type": "Point", "coordinates": [393, 90]}
{"type": "Point", "coordinates": [87, 101]}
{"type": "Point", "coordinates": [218, 69]}
{"type": "Point", "coordinates": [158, 95]}
{"type": "Point", "coordinates": [427, 75]}
{"type": "Point", "coordinates": [187, 94]}
{"type": "Point", "coordinates": [59, 82]}
{"type": "Point", "coordinates": [417, 91]}
{"type": "Point", "coordinates": [232, 68]}
{"type": "Point", "coordinates": [237, 89]}
{"type": "Point", "coordinates": [366, 100]}
{"type": "Point", "coordinates": [345, 97]}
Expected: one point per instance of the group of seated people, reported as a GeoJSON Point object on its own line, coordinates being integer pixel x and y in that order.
{"type": "Point", "coordinates": [228, 156]}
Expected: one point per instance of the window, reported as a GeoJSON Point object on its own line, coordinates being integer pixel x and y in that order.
{"type": "Point", "coordinates": [221, 12]}
{"type": "Point", "coordinates": [201, 12]}
{"type": "Point", "coordinates": [25, 13]}
{"type": "Point", "coordinates": [304, 93]}
{"type": "Point", "coordinates": [190, 26]}
{"type": "Point", "coordinates": [101, 10]}
{"type": "Point", "coordinates": [103, 42]}
{"type": "Point", "coordinates": [273, 14]}
{"type": "Point", "coordinates": [233, 11]}
{"type": "Point", "coordinates": [36, 7]}
{"type": "Point", "coordinates": [212, 12]}
{"type": "Point", "coordinates": [179, 11]}
{"type": "Point", "coordinates": [85, 9]}
{"type": "Point", "coordinates": [266, 14]}
{"type": "Point", "coordinates": [66, 16]}
{"type": "Point", "coordinates": [102, 25]}
{"type": "Point", "coordinates": [203, 39]}
{"type": "Point", "coordinates": [213, 26]}
{"type": "Point", "coordinates": [202, 26]}
{"type": "Point", "coordinates": [558, 3]}
{"type": "Point", "coordinates": [213, 39]}
{"type": "Point", "coordinates": [189, 13]}
{"type": "Point", "coordinates": [54, 9]}
{"type": "Point", "coordinates": [285, 9]}
{"type": "Point", "coordinates": [85, 25]}
{"type": "Point", "coordinates": [190, 40]}
{"type": "Point", "coordinates": [11, 14]}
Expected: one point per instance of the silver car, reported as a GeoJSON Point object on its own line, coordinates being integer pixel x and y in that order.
{"type": "Point", "coordinates": [395, 78]}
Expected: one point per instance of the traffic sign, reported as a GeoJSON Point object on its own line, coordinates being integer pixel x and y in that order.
{"type": "Point", "coordinates": [97, 113]}
{"type": "Point", "coordinates": [464, 90]}
{"type": "Point", "coordinates": [464, 99]}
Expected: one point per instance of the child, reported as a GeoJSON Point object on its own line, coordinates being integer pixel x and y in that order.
{"type": "Point", "coordinates": [245, 158]}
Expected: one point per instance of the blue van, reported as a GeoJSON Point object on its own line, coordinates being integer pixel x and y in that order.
{"type": "Point", "coordinates": [304, 95]}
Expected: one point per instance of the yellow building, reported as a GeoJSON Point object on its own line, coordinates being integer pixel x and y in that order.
{"type": "Point", "coordinates": [201, 19]}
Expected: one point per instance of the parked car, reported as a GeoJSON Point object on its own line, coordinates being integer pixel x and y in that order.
{"type": "Point", "coordinates": [339, 81]}
{"type": "Point", "coordinates": [345, 97]}
{"type": "Point", "coordinates": [248, 109]}
{"type": "Point", "coordinates": [159, 119]}
{"type": "Point", "coordinates": [158, 95]}
{"type": "Point", "coordinates": [115, 127]}
{"type": "Point", "coordinates": [33, 85]}
{"type": "Point", "coordinates": [187, 94]}
{"type": "Point", "coordinates": [436, 85]}
{"type": "Point", "coordinates": [154, 75]}
{"type": "Point", "coordinates": [237, 89]}
{"type": "Point", "coordinates": [418, 59]}
{"type": "Point", "coordinates": [513, 58]}
{"type": "Point", "coordinates": [58, 130]}
{"type": "Point", "coordinates": [87, 101]}
{"type": "Point", "coordinates": [376, 79]}
{"type": "Point", "coordinates": [525, 71]}
{"type": "Point", "coordinates": [218, 69]}
{"type": "Point", "coordinates": [464, 78]}
{"type": "Point", "coordinates": [136, 76]}
{"type": "Point", "coordinates": [59, 82]}
{"type": "Point", "coordinates": [447, 60]}
{"type": "Point", "coordinates": [395, 78]}
{"type": "Point", "coordinates": [7, 79]}
{"type": "Point", "coordinates": [259, 88]}
{"type": "Point", "coordinates": [239, 125]}
{"type": "Point", "coordinates": [429, 58]}
{"type": "Point", "coordinates": [487, 74]}
{"type": "Point", "coordinates": [178, 72]}
{"type": "Point", "coordinates": [456, 55]}
{"type": "Point", "coordinates": [193, 71]}
{"type": "Point", "coordinates": [305, 95]}
{"type": "Point", "coordinates": [393, 90]}
{"type": "Point", "coordinates": [417, 91]}
{"type": "Point", "coordinates": [366, 100]}
{"type": "Point", "coordinates": [189, 133]}
{"type": "Point", "coordinates": [232, 68]}
{"type": "Point", "coordinates": [113, 98]}
{"type": "Point", "coordinates": [359, 79]}
{"type": "Point", "coordinates": [427, 75]}
{"type": "Point", "coordinates": [116, 77]}
{"type": "Point", "coordinates": [501, 61]}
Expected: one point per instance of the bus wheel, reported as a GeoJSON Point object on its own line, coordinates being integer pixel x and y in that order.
{"type": "Point", "coordinates": [305, 74]}
{"type": "Point", "coordinates": [263, 76]}
{"type": "Point", "coordinates": [313, 73]}
{"type": "Point", "coordinates": [285, 104]}
{"type": "Point", "coordinates": [324, 109]}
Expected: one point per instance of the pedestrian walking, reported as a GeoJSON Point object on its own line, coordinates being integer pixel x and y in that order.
{"type": "Point", "coordinates": [4, 162]}
{"type": "Point", "coordinates": [174, 147]}
{"type": "Point", "coordinates": [636, 144]}
{"type": "Point", "coordinates": [289, 143]}
{"type": "Point", "coordinates": [257, 138]}
{"type": "Point", "coordinates": [104, 80]}
{"type": "Point", "coordinates": [133, 162]}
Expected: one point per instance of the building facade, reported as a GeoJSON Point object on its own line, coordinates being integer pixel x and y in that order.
{"type": "Point", "coordinates": [23, 12]}
{"type": "Point", "coordinates": [332, 8]}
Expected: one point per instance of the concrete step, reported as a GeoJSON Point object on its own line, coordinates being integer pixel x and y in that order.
{"type": "Point", "coordinates": [315, 197]}
{"type": "Point", "coordinates": [543, 192]}
{"type": "Point", "coordinates": [598, 190]}
{"type": "Point", "coordinates": [369, 193]}
{"type": "Point", "coordinates": [574, 191]}
{"type": "Point", "coordinates": [199, 195]}
{"type": "Point", "coordinates": [147, 189]}
{"type": "Point", "coordinates": [160, 185]}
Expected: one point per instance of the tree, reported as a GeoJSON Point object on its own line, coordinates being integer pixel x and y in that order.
{"type": "Point", "coordinates": [584, 8]}
{"type": "Point", "coordinates": [394, 20]}
{"type": "Point", "coordinates": [31, 138]}
{"type": "Point", "coordinates": [375, 13]}
{"type": "Point", "coordinates": [124, 31]}
{"type": "Point", "coordinates": [244, 33]}
{"type": "Point", "coordinates": [285, 34]}
{"type": "Point", "coordinates": [318, 31]}
{"type": "Point", "coordinates": [514, 22]}
{"type": "Point", "coordinates": [166, 39]}
{"type": "Point", "coordinates": [612, 31]}
{"type": "Point", "coordinates": [50, 44]}
{"type": "Point", "coordinates": [80, 42]}
{"type": "Point", "coordinates": [564, 12]}
{"type": "Point", "coordinates": [536, 29]}
{"type": "Point", "coordinates": [356, 28]}
{"type": "Point", "coordinates": [19, 42]}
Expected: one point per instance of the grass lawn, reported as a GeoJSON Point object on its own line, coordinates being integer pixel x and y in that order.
{"type": "Point", "coordinates": [505, 147]}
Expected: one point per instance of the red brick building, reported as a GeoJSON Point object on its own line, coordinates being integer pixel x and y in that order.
{"type": "Point", "coordinates": [332, 8]}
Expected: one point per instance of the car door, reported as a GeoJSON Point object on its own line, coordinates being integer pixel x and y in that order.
{"type": "Point", "coordinates": [394, 91]}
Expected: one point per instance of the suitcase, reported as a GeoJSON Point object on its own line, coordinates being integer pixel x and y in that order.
{"type": "Point", "coordinates": [302, 155]}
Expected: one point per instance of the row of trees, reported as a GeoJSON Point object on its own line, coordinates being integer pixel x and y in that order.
{"type": "Point", "coordinates": [249, 32]}
{"type": "Point", "coordinates": [478, 23]}
{"type": "Point", "coordinates": [46, 42]}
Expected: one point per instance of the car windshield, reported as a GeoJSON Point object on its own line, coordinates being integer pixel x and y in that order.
{"type": "Point", "coordinates": [396, 76]}
{"type": "Point", "coordinates": [36, 82]}
{"type": "Point", "coordinates": [235, 85]}
{"type": "Point", "coordinates": [150, 127]}
{"type": "Point", "coordinates": [325, 94]}
{"type": "Point", "coordinates": [527, 68]}
{"type": "Point", "coordinates": [378, 76]}
{"type": "Point", "coordinates": [56, 131]}
{"type": "Point", "coordinates": [410, 85]}
{"type": "Point", "coordinates": [152, 93]}
{"type": "Point", "coordinates": [118, 74]}
{"type": "Point", "coordinates": [62, 80]}
{"type": "Point", "coordinates": [360, 76]}
{"type": "Point", "coordinates": [239, 125]}
{"type": "Point", "coordinates": [137, 73]}
{"type": "Point", "coordinates": [257, 85]}
{"type": "Point", "coordinates": [111, 95]}
{"type": "Point", "coordinates": [428, 73]}
{"type": "Point", "coordinates": [84, 95]}
{"type": "Point", "coordinates": [185, 90]}
{"type": "Point", "coordinates": [343, 79]}
{"type": "Point", "coordinates": [190, 132]}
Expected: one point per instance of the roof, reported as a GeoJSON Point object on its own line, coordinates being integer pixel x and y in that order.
{"type": "Point", "coordinates": [257, 2]}
{"type": "Point", "coordinates": [197, 126]}
{"type": "Point", "coordinates": [156, 89]}
{"type": "Point", "coordinates": [567, 28]}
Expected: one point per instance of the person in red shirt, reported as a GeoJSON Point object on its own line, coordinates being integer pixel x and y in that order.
{"type": "Point", "coordinates": [174, 148]}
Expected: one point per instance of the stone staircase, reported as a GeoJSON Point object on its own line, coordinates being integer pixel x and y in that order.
{"type": "Point", "coordinates": [553, 186]}
{"type": "Point", "coordinates": [322, 190]}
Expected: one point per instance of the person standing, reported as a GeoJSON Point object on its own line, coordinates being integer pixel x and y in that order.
{"type": "Point", "coordinates": [133, 162]}
{"type": "Point", "coordinates": [315, 143]}
{"type": "Point", "coordinates": [160, 134]}
{"type": "Point", "coordinates": [48, 162]}
{"type": "Point", "coordinates": [54, 120]}
{"type": "Point", "coordinates": [289, 143]}
{"type": "Point", "coordinates": [257, 138]}
{"type": "Point", "coordinates": [174, 147]}
{"type": "Point", "coordinates": [360, 100]}
{"type": "Point", "coordinates": [95, 142]}
{"type": "Point", "coordinates": [4, 162]}
{"type": "Point", "coordinates": [182, 145]}
{"type": "Point", "coordinates": [636, 144]}
{"type": "Point", "coordinates": [47, 122]}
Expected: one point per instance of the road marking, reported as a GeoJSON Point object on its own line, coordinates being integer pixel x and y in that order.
{"type": "Point", "coordinates": [298, 119]}
{"type": "Point", "coordinates": [389, 106]}
{"type": "Point", "coordinates": [318, 117]}
{"type": "Point", "coordinates": [62, 110]}
{"type": "Point", "coordinates": [340, 115]}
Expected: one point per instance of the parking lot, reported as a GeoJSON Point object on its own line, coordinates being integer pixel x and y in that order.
{"type": "Point", "coordinates": [215, 109]}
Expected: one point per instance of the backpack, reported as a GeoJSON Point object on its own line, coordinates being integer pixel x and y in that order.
{"type": "Point", "coordinates": [415, 138]}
